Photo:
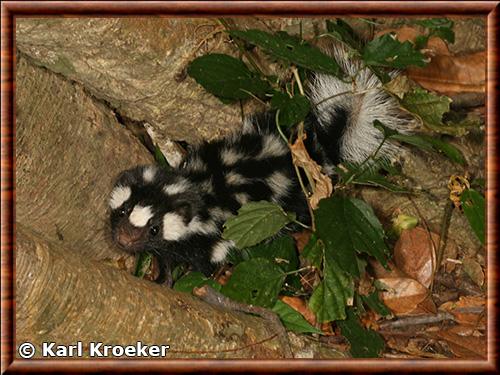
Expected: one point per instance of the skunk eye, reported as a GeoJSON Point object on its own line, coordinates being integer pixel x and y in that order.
{"type": "Point", "coordinates": [154, 230]}
{"type": "Point", "coordinates": [122, 212]}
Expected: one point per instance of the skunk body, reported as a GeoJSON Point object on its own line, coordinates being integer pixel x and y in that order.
{"type": "Point", "coordinates": [178, 215]}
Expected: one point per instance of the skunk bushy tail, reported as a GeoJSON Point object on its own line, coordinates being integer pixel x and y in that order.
{"type": "Point", "coordinates": [344, 109]}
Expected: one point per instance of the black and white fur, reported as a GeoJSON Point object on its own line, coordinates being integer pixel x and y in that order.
{"type": "Point", "coordinates": [178, 215]}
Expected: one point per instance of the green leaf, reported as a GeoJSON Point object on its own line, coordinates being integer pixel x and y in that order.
{"type": "Point", "coordinates": [255, 222]}
{"type": "Point", "coordinates": [160, 158]}
{"type": "Point", "coordinates": [331, 296]}
{"type": "Point", "coordinates": [194, 280]}
{"type": "Point", "coordinates": [367, 175]}
{"type": "Point", "coordinates": [291, 49]}
{"type": "Point", "coordinates": [255, 282]}
{"type": "Point", "coordinates": [440, 27]}
{"type": "Point", "coordinates": [474, 210]}
{"type": "Point", "coordinates": [423, 142]}
{"type": "Point", "coordinates": [280, 251]}
{"type": "Point", "coordinates": [373, 302]}
{"type": "Point", "coordinates": [144, 260]}
{"type": "Point", "coordinates": [313, 251]}
{"type": "Point", "coordinates": [431, 108]}
{"type": "Point", "coordinates": [226, 77]}
{"type": "Point", "coordinates": [343, 32]}
{"type": "Point", "coordinates": [403, 222]}
{"type": "Point", "coordinates": [387, 51]}
{"type": "Point", "coordinates": [348, 226]}
{"type": "Point", "coordinates": [365, 343]}
{"type": "Point", "coordinates": [293, 320]}
{"type": "Point", "coordinates": [446, 148]}
{"type": "Point", "coordinates": [292, 110]}
{"type": "Point", "coordinates": [377, 180]}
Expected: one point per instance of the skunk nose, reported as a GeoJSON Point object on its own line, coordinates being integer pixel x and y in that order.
{"type": "Point", "coordinates": [128, 235]}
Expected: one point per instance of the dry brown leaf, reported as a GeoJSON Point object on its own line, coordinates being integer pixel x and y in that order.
{"type": "Point", "coordinates": [467, 347]}
{"type": "Point", "coordinates": [451, 75]}
{"type": "Point", "coordinates": [415, 254]}
{"type": "Point", "coordinates": [301, 307]}
{"type": "Point", "coordinates": [323, 187]}
{"type": "Point", "coordinates": [403, 295]}
{"type": "Point", "coordinates": [446, 74]}
{"type": "Point", "coordinates": [474, 270]}
{"type": "Point", "coordinates": [467, 310]}
{"type": "Point", "coordinates": [380, 272]}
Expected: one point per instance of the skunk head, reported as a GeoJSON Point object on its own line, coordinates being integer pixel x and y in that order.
{"type": "Point", "coordinates": [150, 206]}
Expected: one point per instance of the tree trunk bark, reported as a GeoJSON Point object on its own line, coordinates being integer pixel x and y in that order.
{"type": "Point", "coordinates": [65, 297]}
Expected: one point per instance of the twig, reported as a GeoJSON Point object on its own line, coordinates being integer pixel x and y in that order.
{"type": "Point", "coordinates": [415, 320]}
{"type": "Point", "coordinates": [211, 296]}
{"type": "Point", "coordinates": [297, 171]}
{"type": "Point", "coordinates": [297, 78]}
{"type": "Point", "coordinates": [443, 236]}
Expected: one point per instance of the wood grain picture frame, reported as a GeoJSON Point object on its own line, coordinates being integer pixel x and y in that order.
{"type": "Point", "coordinates": [10, 10]}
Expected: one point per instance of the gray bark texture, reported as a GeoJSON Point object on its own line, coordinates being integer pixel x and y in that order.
{"type": "Point", "coordinates": [65, 299]}
{"type": "Point", "coordinates": [69, 150]}
{"type": "Point", "coordinates": [138, 66]}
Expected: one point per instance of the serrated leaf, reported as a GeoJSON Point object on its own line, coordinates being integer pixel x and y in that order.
{"type": "Point", "coordinates": [255, 222]}
{"type": "Point", "coordinates": [144, 260]}
{"type": "Point", "coordinates": [349, 226]}
{"type": "Point", "coordinates": [280, 251]}
{"type": "Point", "coordinates": [194, 280]}
{"type": "Point", "coordinates": [292, 110]}
{"type": "Point", "coordinates": [365, 343]}
{"type": "Point", "coordinates": [373, 302]}
{"type": "Point", "coordinates": [473, 205]}
{"type": "Point", "coordinates": [334, 293]}
{"type": "Point", "coordinates": [431, 108]}
{"type": "Point", "coordinates": [255, 282]}
{"type": "Point", "coordinates": [387, 51]}
{"type": "Point", "coordinates": [293, 320]}
{"type": "Point", "coordinates": [343, 32]}
{"type": "Point", "coordinates": [291, 49]}
{"type": "Point", "coordinates": [226, 77]}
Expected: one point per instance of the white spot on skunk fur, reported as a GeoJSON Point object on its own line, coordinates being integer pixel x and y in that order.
{"type": "Point", "coordinates": [176, 188]}
{"type": "Point", "coordinates": [196, 165]}
{"type": "Point", "coordinates": [242, 198]}
{"type": "Point", "coordinates": [233, 178]}
{"type": "Point", "coordinates": [230, 157]}
{"type": "Point", "coordinates": [219, 214]}
{"type": "Point", "coordinates": [279, 184]}
{"type": "Point", "coordinates": [149, 173]}
{"type": "Point", "coordinates": [272, 146]}
{"type": "Point", "coordinates": [140, 215]}
{"type": "Point", "coordinates": [174, 227]}
{"type": "Point", "coordinates": [220, 250]}
{"type": "Point", "coordinates": [119, 195]}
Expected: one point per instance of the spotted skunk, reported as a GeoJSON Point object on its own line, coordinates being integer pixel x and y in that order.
{"type": "Point", "coordinates": [178, 215]}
